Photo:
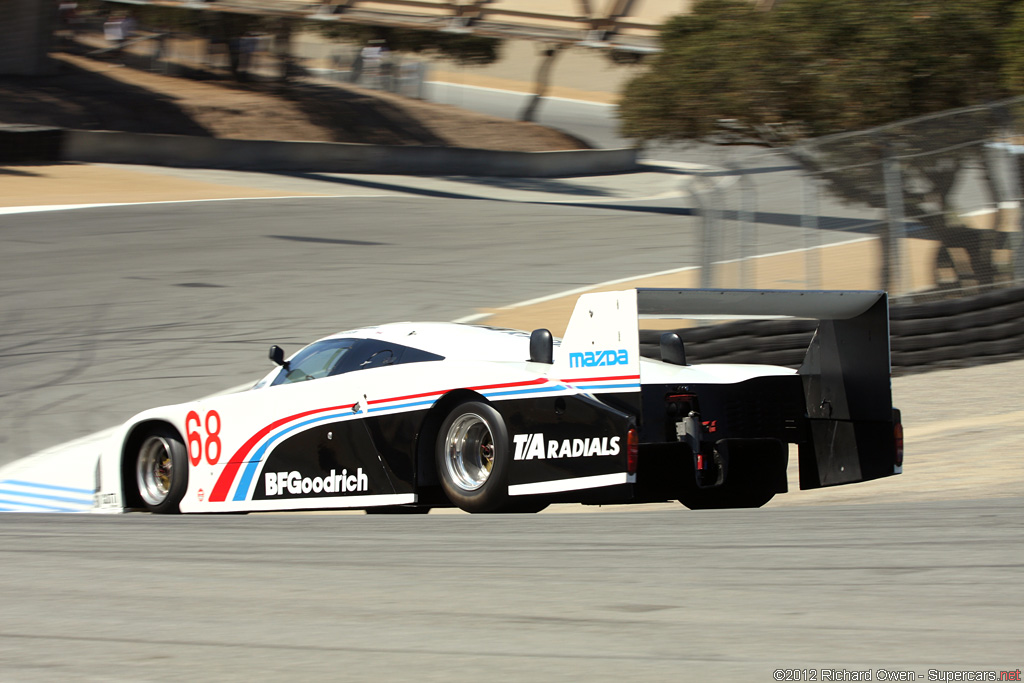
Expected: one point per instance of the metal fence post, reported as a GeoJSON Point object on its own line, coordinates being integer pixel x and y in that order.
{"type": "Point", "coordinates": [718, 234]}
{"type": "Point", "coordinates": [707, 222]}
{"type": "Point", "coordinates": [894, 215]}
{"type": "Point", "coordinates": [1014, 194]}
{"type": "Point", "coordinates": [747, 225]}
{"type": "Point", "coordinates": [812, 233]}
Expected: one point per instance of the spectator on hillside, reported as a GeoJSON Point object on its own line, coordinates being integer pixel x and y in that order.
{"type": "Point", "coordinates": [67, 15]}
{"type": "Point", "coordinates": [118, 29]}
{"type": "Point", "coordinates": [113, 31]}
{"type": "Point", "coordinates": [373, 58]}
{"type": "Point", "coordinates": [246, 48]}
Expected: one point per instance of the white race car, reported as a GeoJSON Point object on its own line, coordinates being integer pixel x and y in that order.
{"type": "Point", "coordinates": [409, 416]}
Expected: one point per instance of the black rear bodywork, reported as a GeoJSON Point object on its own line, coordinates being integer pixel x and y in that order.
{"type": "Point", "coordinates": [837, 409]}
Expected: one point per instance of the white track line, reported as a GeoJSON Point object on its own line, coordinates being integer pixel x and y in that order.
{"type": "Point", "coordinates": [520, 93]}
{"type": "Point", "coordinates": [580, 290]}
{"type": "Point", "coordinates": [578, 199]}
{"type": "Point", "coordinates": [574, 199]}
{"type": "Point", "coordinates": [9, 210]}
{"type": "Point", "coordinates": [15, 210]}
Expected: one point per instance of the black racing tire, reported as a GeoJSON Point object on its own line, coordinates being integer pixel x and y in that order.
{"type": "Point", "coordinates": [472, 456]}
{"type": "Point", "coordinates": [161, 470]}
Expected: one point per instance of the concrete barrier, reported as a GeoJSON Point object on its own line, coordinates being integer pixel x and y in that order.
{"type": "Point", "coordinates": [28, 144]}
{"type": "Point", "coordinates": [334, 157]}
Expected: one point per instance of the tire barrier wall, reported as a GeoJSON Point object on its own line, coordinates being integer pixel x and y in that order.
{"type": "Point", "coordinates": [333, 157]}
{"type": "Point", "coordinates": [969, 331]}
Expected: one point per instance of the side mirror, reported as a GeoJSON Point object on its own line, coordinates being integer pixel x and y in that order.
{"type": "Point", "coordinates": [277, 356]}
{"type": "Point", "coordinates": [672, 350]}
{"type": "Point", "coordinates": [541, 347]}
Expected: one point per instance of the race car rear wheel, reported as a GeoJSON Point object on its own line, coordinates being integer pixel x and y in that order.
{"type": "Point", "coordinates": [472, 456]}
{"type": "Point", "coordinates": [161, 471]}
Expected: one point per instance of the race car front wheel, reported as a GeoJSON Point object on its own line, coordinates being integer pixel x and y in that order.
{"type": "Point", "coordinates": [472, 457]}
{"type": "Point", "coordinates": [161, 471]}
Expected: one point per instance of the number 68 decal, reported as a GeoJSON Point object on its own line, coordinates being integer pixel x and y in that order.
{"type": "Point", "coordinates": [197, 446]}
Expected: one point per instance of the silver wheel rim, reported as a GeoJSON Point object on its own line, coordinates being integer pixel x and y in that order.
{"type": "Point", "coordinates": [469, 452]}
{"type": "Point", "coordinates": [154, 470]}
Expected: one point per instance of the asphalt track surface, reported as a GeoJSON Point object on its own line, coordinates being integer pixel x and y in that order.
{"type": "Point", "coordinates": [647, 595]}
{"type": "Point", "coordinates": [109, 311]}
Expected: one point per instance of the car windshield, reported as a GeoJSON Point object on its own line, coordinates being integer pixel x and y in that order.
{"type": "Point", "coordinates": [315, 361]}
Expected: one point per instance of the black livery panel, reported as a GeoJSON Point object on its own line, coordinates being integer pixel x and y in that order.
{"type": "Point", "coordinates": [564, 437]}
{"type": "Point", "coordinates": [551, 438]}
{"type": "Point", "coordinates": [361, 456]}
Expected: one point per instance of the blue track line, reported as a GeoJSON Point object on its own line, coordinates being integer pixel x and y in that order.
{"type": "Point", "coordinates": [51, 487]}
{"type": "Point", "coordinates": [43, 496]}
{"type": "Point", "coordinates": [44, 508]}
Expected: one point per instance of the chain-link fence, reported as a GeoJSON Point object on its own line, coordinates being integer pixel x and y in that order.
{"type": "Point", "coordinates": [923, 208]}
{"type": "Point", "coordinates": [185, 40]}
{"type": "Point", "coordinates": [256, 54]}
{"type": "Point", "coordinates": [370, 66]}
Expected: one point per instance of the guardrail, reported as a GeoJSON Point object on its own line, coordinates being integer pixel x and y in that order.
{"type": "Point", "coordinates": [28, 144]}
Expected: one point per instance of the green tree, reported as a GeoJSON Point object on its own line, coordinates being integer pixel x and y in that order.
{"type": "Point", "coordinates": [1012, 49]}
{"type": "Point", "coordinates": [730, 73]}
{"type": "Point", "coordinates": [815, 67]}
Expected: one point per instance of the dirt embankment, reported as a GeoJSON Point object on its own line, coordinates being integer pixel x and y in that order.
{"type": "Point", "coordinates": [97, 93]}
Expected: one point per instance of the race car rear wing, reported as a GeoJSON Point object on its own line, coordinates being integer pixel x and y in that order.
{"type": "Point", "coordinates": [845, 371]}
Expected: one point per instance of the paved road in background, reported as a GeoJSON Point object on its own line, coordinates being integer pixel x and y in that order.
{"type": "Point", "coordinates": [655, 595]}
{"type": "Point", "coordinates": [595, 123]}
{"type": "Point", "coordinates": [775, 184]}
